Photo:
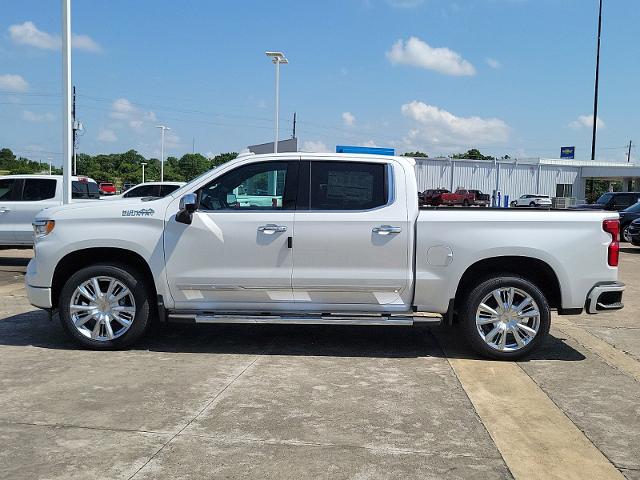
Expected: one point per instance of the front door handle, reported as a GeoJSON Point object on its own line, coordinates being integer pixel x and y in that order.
{"type": "Point", "coordinates": [4, 209]}
{"type": "Point", "coordinates": [272, 228]}
{"type": "Point", "coordinates": [386, 229]}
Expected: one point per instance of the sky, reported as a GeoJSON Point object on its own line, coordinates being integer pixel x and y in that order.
{"type": "Point", "coordinates": [510, 77]}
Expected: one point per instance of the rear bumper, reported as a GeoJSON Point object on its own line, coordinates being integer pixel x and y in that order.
{"type": "Point", "coordinates": [605, 297]}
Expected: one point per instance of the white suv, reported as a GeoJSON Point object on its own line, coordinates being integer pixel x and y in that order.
{"type": "Point", "coordinates": [23, 196]}
{"type": "Point", "coordinates": [532, 201]}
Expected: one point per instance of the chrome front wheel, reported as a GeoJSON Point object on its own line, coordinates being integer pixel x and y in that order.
{"type": "Point", "coordinates": [106, 306]}
{"type": "Point", "coordinates": [508, 319]}
{"type": "Point", "coordinates": [102, 308]}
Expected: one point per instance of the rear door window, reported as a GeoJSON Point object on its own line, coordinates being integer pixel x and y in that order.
{"type": "Point", "coordinates": [7, 189]}
{"type": "Point", "coordinates": [36, 189]}
{"type": "Point", "coordinates": [347, 185]}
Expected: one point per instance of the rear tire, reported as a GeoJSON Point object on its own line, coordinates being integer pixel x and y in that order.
{"type": "Point", "coordinates": [465, 203]}
{"type": "Point", "coordinates": [625, 235]}
{"type": "Point", "coordinates": [532, 204]}
{"type": "Point", "coordinates": [111, 307]}
{"type": "Point", "coordinates": [506, 330]}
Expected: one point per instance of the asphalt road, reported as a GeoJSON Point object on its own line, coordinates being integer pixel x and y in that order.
{"type": "Point", "coordinates": [270, 401]}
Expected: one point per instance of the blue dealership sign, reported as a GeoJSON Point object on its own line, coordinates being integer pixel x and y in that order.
{"type": "Point", "coordinates": [568, 152]}
{"type": "Point", "coordinates": [367, 150]}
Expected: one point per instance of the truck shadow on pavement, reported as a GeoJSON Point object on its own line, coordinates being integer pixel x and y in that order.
{"type": "Point", "coordinates": [34, 329]}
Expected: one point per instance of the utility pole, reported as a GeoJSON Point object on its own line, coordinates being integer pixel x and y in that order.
{"type": "Point", "coordinates": [629, 152]}
{"type": "Point", "coordinates": [50, 160]}
{"type": "Point", "coordinates": [595, 96]}
{"type": "Point", "coordinates": [193, 145]}
{"type": "Point", "coordinates": [143, 164]}
{"type": "Point", "coordinates": [294, 125]}
{"type": "Point", "coordinates": [162, 128]}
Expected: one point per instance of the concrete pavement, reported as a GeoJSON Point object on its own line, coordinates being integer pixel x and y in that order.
{"type": "Point", "coordinates": [270, 401]}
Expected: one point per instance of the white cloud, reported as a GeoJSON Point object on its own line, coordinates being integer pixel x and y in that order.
{"type": "Point", "coordinates": [493, 63]}
{"type": "Point", "coordinates": [314, 146]}
{"type": "Point", "coordinates": [85, 42]}
{"type": "Point", "coordinates": [437, 127]}
{"type": "Point", "coordinates": [348, 119]}
{"type": "Point", "coordinates": [122, 108]}
{"type": "Point", "coordinates": [106, 135]}
{"type": "Point", "coordinates": [14, 83]}
{"type": "Point", "coordinates": [417, 53]}
{"type": "Point", "coordinates": [369, 143]}
{"type": "Point", "coordinates": [28, 34]}
{"type": "Point", "coordinates": [585, 121]}
{"type": "Point", "coordinates": [33, 117]}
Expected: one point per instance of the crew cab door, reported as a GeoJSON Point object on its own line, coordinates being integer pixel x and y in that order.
{"type": "Point", "coordinates": [8, 194]}
{"type": "Point", "coordinates": [351, 236]}
{"type": "Point", "coordinates": [236, 252]}
{"type": "Point", "coordinates": [35, 195]}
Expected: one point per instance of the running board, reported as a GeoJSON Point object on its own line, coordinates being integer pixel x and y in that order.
{"type": "Point", "coordinates": [401, 320]}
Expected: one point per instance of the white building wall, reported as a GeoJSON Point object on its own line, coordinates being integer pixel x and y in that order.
{"type": "Point", "coordinates": [514, 178]}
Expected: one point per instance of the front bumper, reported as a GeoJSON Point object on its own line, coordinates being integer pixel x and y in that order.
{"type": "Point", "coordinates": [605, 297]}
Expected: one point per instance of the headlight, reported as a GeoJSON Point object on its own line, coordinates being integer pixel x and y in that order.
{"type": "Point", "coordinates": [42, 228]}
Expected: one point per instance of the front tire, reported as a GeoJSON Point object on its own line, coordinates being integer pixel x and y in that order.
{"type": "Point", "coordinates": [505, 317]}
{"type": "Point", "coordinates": [105, 306]}
{"type": "Point", "coordinates": [625, 234]}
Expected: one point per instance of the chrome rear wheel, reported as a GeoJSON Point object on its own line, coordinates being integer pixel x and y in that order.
{"type": "Point", "coordinates": [508, 319]}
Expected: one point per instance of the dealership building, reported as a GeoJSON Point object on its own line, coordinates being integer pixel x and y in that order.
{"type": "Point", "coordinates": [516, 177]}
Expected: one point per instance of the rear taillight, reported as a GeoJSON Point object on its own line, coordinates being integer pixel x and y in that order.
{"type": "Point", "coordinates": [613, 227]}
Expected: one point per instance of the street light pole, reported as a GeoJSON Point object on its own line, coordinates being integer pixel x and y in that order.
{"type": "Point", "coordinates": [595, 96]}
{"type": "Point", "coordinates": [143, 165]}
{"type": "Point", "coordinates": [162, 129]}
{"type": "Point", "coordinates": [277, 58]}
{"type": "Point", "coordinates": [67, 127]}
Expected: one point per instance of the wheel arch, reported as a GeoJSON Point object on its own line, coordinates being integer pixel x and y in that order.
{"type": "Point", "coordinates": [537, 271]}
{"type": "Point", "coordinates": [74, 261]}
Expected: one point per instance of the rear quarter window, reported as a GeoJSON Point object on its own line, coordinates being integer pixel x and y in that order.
{"type": "Point", "coordinates": [38, 189]}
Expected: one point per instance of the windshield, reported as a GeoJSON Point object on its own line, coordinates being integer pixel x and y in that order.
{"type": "Point", "coordinates": [604, 199]}
{"type": "Point", "coordinates": [633, 208]}
{"type": "Point", "coordinates": [188, 189]}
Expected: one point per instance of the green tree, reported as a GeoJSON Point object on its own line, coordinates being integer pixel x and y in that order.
{"type": "Point", "coordinates": [473, 154]}
{"type": "Point", "coordinates": [416, 154]}
{"type": "Point", "coordinates": [193, 164]}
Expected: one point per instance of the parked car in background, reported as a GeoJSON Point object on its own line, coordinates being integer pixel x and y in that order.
{"type": "Point", "coordinates": [432, 196]}
{"type": "Point", "coordinates": [531, 200]}
{"type": "Point", "coordinates": [634, 232]}
{"type": "Point", "coordinates": [127, 185]}
{"type": "Point", "coordinates": [459, 197]}
{"type": "Point", "coordinates": [614, 201]}
{"type": "Point", "coordinates": [107, 188]}
{"type": "Point", "coordinates": [627, 216]}
{"type": "Point", "coordinates": [150, 189]}
{"type": "Point", "coordinates": [480, 199]}
{"type": "Point", "coordinates": [23, 196]}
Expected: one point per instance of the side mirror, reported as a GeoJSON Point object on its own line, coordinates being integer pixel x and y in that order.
{"type": "Point", "coordinates": [231, 199]}
{"type": "Point", "coordinates": [188, 205]}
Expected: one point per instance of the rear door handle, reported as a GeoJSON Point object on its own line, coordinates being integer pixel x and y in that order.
{"type": "Point", "coordinates": [386, 229]}
{"type": "Point", "coordinates": [272, 228]}
{"type": "Point", "coordinates": [4, 209]}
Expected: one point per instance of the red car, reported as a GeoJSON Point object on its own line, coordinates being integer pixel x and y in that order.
{"type": "Point", "coordinates": [459, 197]}
{"type": "Point", "coordinates": [432, 196]}
{"type": "Point", "coordinates": [107, 188]}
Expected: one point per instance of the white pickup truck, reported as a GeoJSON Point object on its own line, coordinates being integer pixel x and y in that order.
{"type": "Point", "coordinates": [319, 239]}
